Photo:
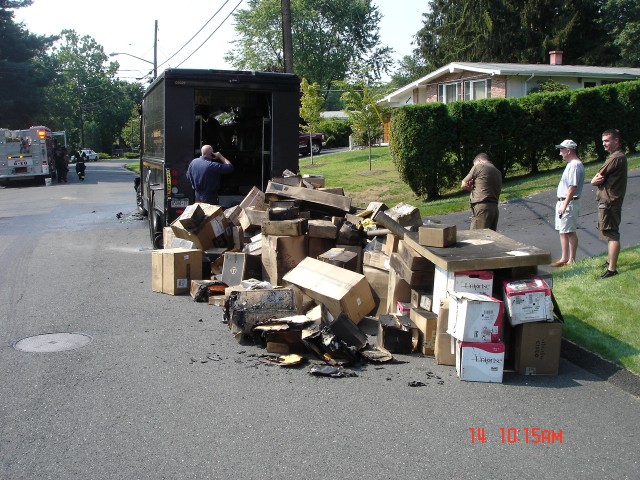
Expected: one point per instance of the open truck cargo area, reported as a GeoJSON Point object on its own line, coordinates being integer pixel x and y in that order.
{"type": "Point", "coordinates": [250, 117]}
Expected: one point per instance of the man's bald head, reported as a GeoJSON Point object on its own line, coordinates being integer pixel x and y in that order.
{"type": "Point", "coordinates": [207, 151]}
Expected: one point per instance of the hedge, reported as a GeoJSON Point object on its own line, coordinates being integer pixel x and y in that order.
{"type": "Point", "coordinates": [433, 144]}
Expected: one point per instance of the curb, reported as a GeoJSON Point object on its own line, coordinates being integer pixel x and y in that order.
{"type": "Point", "coordinates": [604, 369]}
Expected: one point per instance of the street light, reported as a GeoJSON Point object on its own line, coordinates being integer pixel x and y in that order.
{"type": "Point", "coordinates": [155, 52]}
{"type": "Point", "coordinates": [155, 66]}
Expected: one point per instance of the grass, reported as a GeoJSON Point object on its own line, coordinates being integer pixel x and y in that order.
{"type": "Point", "coordinates": [601, 315]}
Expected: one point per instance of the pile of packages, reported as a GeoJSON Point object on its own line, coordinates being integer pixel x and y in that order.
{"type": "Point", "coordinates": [300, 272]}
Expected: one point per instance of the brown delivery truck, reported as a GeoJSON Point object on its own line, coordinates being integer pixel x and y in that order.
{"type": "Point", "coordinates": [250, 117]}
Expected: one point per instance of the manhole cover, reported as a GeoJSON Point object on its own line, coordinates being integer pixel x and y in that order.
{"type": "Point", "coordinates": [52, 342]}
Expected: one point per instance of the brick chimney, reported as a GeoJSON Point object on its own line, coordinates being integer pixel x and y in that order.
{"type": "Point", "coordinates": [555, 57]}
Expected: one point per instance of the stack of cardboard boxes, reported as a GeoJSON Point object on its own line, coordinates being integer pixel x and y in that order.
{"type": "Point", "coordinates": [298, 265]}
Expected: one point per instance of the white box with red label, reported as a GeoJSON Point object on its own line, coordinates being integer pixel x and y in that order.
{"type": "Point", "coordinates": [471, 281]}
{"type": "Point", "coordinates": [528, 300]}
{"type": "Point", "coordinates": [480, 362]}
{"type": "Point", "coordinates": [475, 317]}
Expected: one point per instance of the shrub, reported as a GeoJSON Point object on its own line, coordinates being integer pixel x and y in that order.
{"type": "Point", "coordinates": [336, 131]}
{"type": "Point", "coordinates": [131, 155]}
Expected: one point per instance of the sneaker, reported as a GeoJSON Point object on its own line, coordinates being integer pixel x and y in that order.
{"type": "Point", "coordinates": [609, 273]}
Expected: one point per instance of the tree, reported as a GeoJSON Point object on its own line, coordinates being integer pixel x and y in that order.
{"type": "Point", "coordinates": [621, 18]}
{"type": "Point", "coordinates": [130, 133]}
{"type": "Point", "coordinates": [515, 31]}
{"type": "Point", "coordinates": [366, 119]}
{"type": "Point", "coordinates": [24, 69]}
{"type": "Point", "coordinates": [310, 108]}
{"type": "Point", "coordinates": [410, 68]}
{"type": "Point", "coordinates": [85, 99]}
{"type": "Point", "coordinates": [330, 39]}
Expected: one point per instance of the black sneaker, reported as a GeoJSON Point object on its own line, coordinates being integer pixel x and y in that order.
{"type": "Point", "coordinates": [609, 273]}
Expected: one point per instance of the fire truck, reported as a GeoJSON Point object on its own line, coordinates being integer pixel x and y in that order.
{"type": "Point", "coordinates": [26, 154]}
{"type": "Point", "coordinates": [250, 117]}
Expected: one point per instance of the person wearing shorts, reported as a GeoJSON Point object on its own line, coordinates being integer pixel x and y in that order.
{"type": "Point", "coordinates": [611, 181]}
{"type": "Point", "coordinates": [568, 204]}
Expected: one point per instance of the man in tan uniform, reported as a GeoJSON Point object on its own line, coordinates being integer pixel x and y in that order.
{"type": "Point", "coordinates": [484, 181]}
{"type": "Point", "coordinates": [611, 181]}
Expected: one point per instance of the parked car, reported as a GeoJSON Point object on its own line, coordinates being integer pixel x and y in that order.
{"type": "Point", "coordinates": [89, 154]}
{"type": "Point", "coordinates": [317, 141]}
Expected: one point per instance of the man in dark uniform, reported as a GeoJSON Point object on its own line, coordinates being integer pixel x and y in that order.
{"type": "Point", "coordinates": [204, 174]}
{"type": "Point", "coordinates": [484, 181]}
{"type": "Point", "coordinates": [60, 159]}
{"type": "Point", "coordinates": [611, 181]}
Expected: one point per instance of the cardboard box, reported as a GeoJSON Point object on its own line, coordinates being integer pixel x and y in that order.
{"type": "Point", "coordinates": [172, 270]}
{"type": "Point", "coordinates": [338, 289]}
{"type": "Point", "coordinates": [390, 245]}
{"type": "Point", "coordinates": [167, 237]}
{"type": "Point", "coordinates": [252, 218]}
{"type": "Point", "coordinates": [403, 308]}
{"type": "Point", "coordinates": [398, 290]}
{"type": "Point", "coordinates": [341, 258]}
{"type": "Point", "coordinates": [536, 348]}
{"type": "Point", "coordinates": [376, 259]}
{"type": "Point", "coordinates": [321, 199]}
{"type": "Point", "coordinates": [344, 329]}
{"type": "Point", "coordinates": [475, 317]}
{"type": "Point", "coordinates": [427, 323]}
{"type": "Point", "coordinates": [398, 334]}
{"type": "Point", "coordinates": [421, 299]}
{"type": "Point", "coordinates": [528, 300]}
{"type": "Point", "coordinates": [405, 214]}
{"type": "Point", "coordinates": [468, 281]}
{"type": "Point", "coordinates": [254, 197]}
{"type": "Point", "coordinates": [415, 278]}
{"type": "Point", "coordinates": [334, 190]}
{"type": "Point", "coordinates": [238, 266]}
{"type": "Point", "coordinates": [317, 246]}
{"type": "Point", "coordinates": [379, 282]}
{"type": "Point", "coordinates": [480, 362]}
{"type": "Point", "coordinates": [192, 216]}
{"type": "Point", "coordinates": [280, 254]}
{"type": "Point", "coordinates": [437, 235]}
{"type": "Point", "coordinates": [413, 259]}
{"type": "Point", "coordinates": [322, 229]}
{"type": "Point", "coordinates": [291, 228]}
{"type": "Point", "coordinates": [316, 180]}
{"type": "Point", "coordinates": [214, 231]}
{"type": "Point", "coordinates": [248, 308]}
{"type": "Point", "coordinates": [358, 250]}
{"type": "Point", "coordinates": [444, 350]}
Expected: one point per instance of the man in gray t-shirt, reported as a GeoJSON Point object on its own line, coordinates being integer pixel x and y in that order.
{"type": "Point", "coordinates": [484, 181]}
{"type": "Point", "coordinates": [568, 204]}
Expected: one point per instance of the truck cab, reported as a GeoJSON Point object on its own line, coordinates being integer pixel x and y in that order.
{"type": "Point", "coordinates": [250, 117]}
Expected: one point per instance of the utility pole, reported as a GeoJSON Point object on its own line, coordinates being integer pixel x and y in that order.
{"type": "Point", "coordinates": [155, 50]}
{"type": "Point", "coordinates": [287, 43]}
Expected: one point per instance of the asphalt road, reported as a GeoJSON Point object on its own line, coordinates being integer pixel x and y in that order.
{"type": "Point", "coordinates": [164, 391]}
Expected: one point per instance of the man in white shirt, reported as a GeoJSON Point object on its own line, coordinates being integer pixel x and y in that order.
{"type": "Point", "coordinates": [568, 205]}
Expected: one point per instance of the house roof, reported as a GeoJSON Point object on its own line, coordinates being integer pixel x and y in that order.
{"type": "Point", "coordinates": [515, 69]}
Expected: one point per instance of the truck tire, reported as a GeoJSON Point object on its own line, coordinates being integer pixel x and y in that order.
{"type": "Point", "coordinates": [140, 201]}
{"type": "Point", "coordinates": [316, 147]}
{"type": "Point", "coordinates": [155, 229]}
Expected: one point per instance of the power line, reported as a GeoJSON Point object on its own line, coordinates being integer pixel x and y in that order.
{"type": "Point", "coordinates": [207, 39]}
{"type": "Point", "coordinates": [196, 34]}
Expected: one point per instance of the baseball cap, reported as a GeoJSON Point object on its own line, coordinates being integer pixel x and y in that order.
{"type": "Point", "coordinates": [568, 144]}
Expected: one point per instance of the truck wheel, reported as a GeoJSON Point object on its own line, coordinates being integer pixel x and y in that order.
{"type": "Point", "coordinates": [155, 229]}
{"type": "Point", "coordinates": [139, 201]}
{"type": "Point", "coordinates": [316, 147]}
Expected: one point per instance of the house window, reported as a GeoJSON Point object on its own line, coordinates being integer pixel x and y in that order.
{"type": "Point", "coordinates": [449, 92]}
{"type": "Point", "coordinates": [477, 89]}
{"type": "Point", "coordinates": [589, 84]}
